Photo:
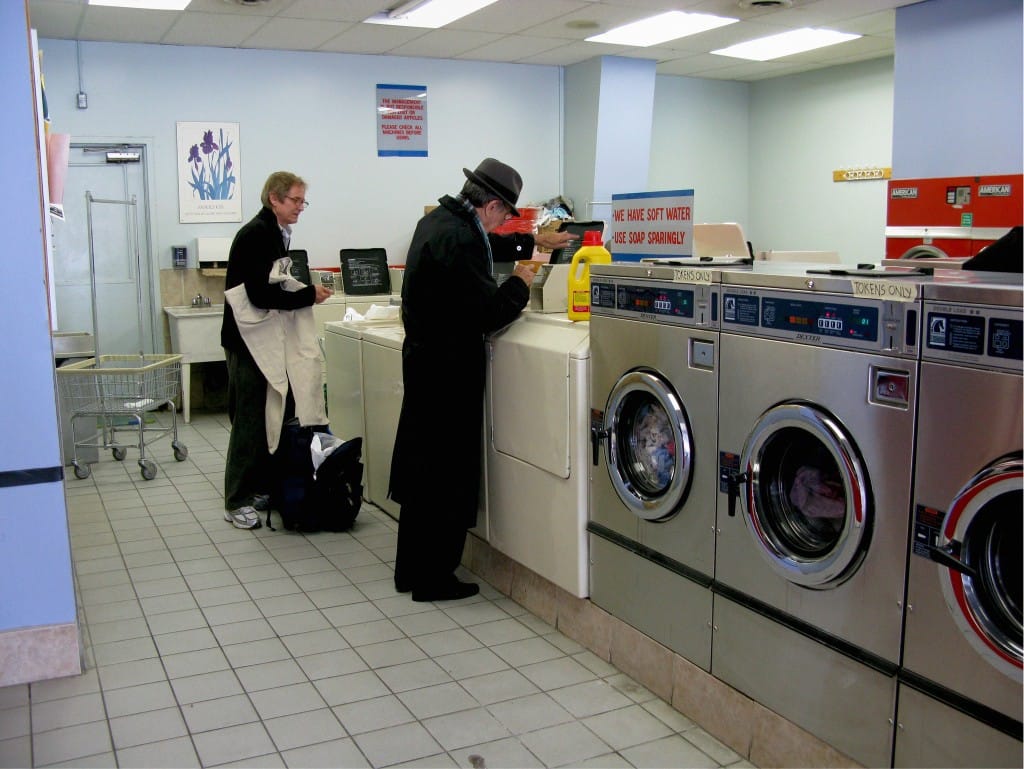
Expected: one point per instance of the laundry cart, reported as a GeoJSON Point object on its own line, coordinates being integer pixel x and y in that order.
{"type": "Point", "coordinates": [117, 391]}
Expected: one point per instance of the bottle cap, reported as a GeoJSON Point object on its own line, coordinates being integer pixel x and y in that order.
{"type": "Point", "coordinates": [592, 238]}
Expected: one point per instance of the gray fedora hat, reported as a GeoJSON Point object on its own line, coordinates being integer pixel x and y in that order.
{"type": "Point", "coordinates": [503, 180]}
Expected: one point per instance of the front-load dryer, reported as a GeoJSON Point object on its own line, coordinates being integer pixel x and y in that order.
{"type": "Point", "coordinates": [653, 401]}
{"type": "Point", "coordinates": [816, 428]}
{"type": "Point", "coordinates": [960, 695]}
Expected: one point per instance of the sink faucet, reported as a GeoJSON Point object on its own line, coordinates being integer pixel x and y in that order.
{"type": "Point", "coordinates": [200, 301]}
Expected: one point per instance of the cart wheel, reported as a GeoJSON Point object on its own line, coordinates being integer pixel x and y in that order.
{"type": "Point", "coordinates": [148, 469]}
{"type": "Point", "coordinates": [82, 471]}
{"type": "Point", "coordinates": [180, 451]}
{"type": "Point", "coordinates": [119, 452]}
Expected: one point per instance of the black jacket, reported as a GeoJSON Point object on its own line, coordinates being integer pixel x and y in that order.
{"type": "Point", "coordinates": [449, 302]}
{"type": "Point", "coordinates": [253, 252]}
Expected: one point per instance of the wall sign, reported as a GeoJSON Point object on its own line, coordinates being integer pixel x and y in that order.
{"type": "Point", "coordinates": [401, 120]}
{"type": "Point", "coordinates": [652, 224]}
{"type": "Point", "coordinates": [208, 173]}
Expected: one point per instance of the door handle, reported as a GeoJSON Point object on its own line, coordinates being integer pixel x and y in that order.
{"type": "Point", "coordinates": [734, 480]}
{"type": "Point", "coordinates": [597, 434]}
{"type": "Point", "coordinates": [947, 556]}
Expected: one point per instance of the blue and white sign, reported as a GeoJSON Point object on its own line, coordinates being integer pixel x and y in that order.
{"type": "Point", "coordinates": [401, 120]}
{"type": "Point", "coordinates": [652, 224]}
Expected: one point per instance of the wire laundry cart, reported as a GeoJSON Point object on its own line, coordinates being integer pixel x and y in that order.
{"type": "Point", "coordinates": [111, 388]}
{"type": "Point", "coordinates": [117, 391]}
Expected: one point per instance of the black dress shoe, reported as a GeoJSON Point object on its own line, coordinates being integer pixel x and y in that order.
{"type": "Point", "coordinates": [453, 590]}
{"type": "Point", "coordinates": [401, 587]}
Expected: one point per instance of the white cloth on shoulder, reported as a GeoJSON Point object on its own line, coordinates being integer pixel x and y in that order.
{"type": "Point", "coordinates": [283, 343]}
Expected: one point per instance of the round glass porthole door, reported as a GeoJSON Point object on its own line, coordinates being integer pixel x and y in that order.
{"type": "Point", "coordinates": [650, 446]}
{"type": "Point", "coordinates": [983, 527]}
{"type": "Point", "coordinates": [807, 501]}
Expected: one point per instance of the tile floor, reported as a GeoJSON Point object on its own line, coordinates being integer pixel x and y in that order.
{"type": "Point", "coordinates": [208, 646]}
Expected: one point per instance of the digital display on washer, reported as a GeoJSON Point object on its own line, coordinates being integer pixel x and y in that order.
{"type": "Point", "coordinates": [656, 300]}
{"type": "Point", "coordinates": [956, 333]}
{"type": "Point", "coordinates": [1004, 338]}
{"type": "Point", "coordinates": [848, 321]}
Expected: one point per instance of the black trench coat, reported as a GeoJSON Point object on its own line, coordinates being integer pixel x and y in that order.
{"type": "Point", "coordinates": [449, 302]}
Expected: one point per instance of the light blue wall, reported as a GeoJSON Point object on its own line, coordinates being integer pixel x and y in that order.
{"type": "Point", "coordinates": [959, 89]}
{"type": "Point", "coordinates": [804, 127]}
{"type": "Point", "coordinates": [35, 554]}
{"type": "Point", "coordinates": [699, 141]}
{"type": "Point", "coordinates": [315, 114]}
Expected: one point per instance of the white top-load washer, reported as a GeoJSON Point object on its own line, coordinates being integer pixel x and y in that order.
{"type": "Point", "coordinates": [538, 384]}
{"type": "Point", "coordinates": [343, 350]}
{"type": "Point", "coordinates": [382, 405]}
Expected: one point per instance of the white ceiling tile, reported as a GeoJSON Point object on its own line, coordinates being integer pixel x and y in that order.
{"type": "Point", "coordinates": [213, 29]}
{"type": "Point", "coordinates": [125, 24]}
{"type": "Point", "coordinates": [444, 43]}
{"type": "Point", "coordinates": [294, 34]}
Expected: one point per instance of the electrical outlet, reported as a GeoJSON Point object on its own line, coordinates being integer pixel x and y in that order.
{"type": "Point", "coordinates": [83, 100]}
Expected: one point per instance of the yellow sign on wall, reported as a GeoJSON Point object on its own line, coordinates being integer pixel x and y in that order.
{"type": "Point", "coordinates": [861, 174]}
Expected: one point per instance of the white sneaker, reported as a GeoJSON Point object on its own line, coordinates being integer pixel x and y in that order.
{"type": "Point", "coordinates": [243, 517]}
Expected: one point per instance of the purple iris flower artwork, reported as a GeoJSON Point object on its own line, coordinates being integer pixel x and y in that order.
{"type": "Point", "coordinates": [212, 171]}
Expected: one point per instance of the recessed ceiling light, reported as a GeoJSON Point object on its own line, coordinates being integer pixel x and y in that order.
{"type": "Point", "coordinates": [661, 28]}
{"type": "Point", "coordinates": [785, 44]}
{"type": "Point", "coordinates": [429, 14]}
{"type": "Point", "coordinates": [145, 5]}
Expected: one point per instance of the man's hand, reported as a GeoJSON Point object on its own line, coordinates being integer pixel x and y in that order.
{"type": "Point", "coordinates": [553, 240]}
{"type": "Point", "coordinates": [322, 294]}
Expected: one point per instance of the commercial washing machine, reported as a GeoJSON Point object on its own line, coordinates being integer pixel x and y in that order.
{"type": "Point", "coordinates": [654, 411]}
{"type": "Point", "coordinates": [344, 365]}
{"type": "Point", "coordinates": [815, 439]}
{"type": "Point", "coordinates": [960, 696]}
{"type": "Point", "coordinates": [537, 446]}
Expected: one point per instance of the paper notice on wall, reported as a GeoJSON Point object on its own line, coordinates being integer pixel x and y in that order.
{"type": "Point", "coordinates": [401, 120]}
{"type": "Point", "coordinates": [58, 146]}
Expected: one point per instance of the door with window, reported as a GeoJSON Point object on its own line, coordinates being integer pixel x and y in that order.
{"type": "Point", "coordinates": [114, 175]}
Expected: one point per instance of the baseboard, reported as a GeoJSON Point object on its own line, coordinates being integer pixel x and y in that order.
{"type": "Point", "coordinates": [38, 653]}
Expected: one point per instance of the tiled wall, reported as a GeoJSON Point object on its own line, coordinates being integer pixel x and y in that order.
{"type": "Point", "coordinates": [760, 735]}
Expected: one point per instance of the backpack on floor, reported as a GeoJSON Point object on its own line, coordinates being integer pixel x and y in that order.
{"type": "Point", "coordinates": [329, 501]}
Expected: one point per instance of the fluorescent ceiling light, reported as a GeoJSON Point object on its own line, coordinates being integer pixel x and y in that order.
{"type": "Point", "coordinates": [661, 28]}
{"type": "Point", "coordinates": [785, 44]}
{"type": "Point", "coordinates": [145, 5]}
{"type": "Point", "coordinates": [430, 14]}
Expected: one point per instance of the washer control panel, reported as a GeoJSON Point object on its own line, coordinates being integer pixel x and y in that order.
{"type": "Point", "coordinates": [823, 320]}
{"type": "Point", "coordinates": [992, 337]}
{"type": "Point", "coordinates": [659, 301]}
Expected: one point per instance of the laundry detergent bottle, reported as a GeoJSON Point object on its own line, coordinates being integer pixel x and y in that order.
{"type": "Point", "coordinates": [591, 252]}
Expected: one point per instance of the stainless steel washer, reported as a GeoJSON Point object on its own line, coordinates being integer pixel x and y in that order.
{"type": "Point", "coordinates": [960, 694]}
{"type": "Point", "coordinates": [654, 396]}
{"type": "Point", "coordinates": [816, 427]}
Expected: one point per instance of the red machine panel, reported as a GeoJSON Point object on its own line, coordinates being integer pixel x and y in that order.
{"type": "Point", "coordinates": [953, 216]}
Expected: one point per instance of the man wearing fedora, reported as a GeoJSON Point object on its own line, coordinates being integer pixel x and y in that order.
{"type": "Point", "coordinates": [450, 300]}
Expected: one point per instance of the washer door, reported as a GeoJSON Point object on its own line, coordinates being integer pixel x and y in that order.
{"type": "Point", "coordinates": [983, 531]}
{"type": "Point", "coordinates": [650, 446]}
{"type": "Point", "coordinates": [807, 505]}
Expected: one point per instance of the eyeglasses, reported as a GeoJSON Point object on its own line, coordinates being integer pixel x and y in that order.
{"type": "Point", "coordinates": [300, 202]}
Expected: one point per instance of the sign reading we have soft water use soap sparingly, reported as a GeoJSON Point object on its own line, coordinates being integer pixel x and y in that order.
{"type": "Point", "coordinates": [646, 224]}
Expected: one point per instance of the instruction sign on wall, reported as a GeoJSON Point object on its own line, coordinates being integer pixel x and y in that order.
{"type": "Point", "coordinates": [401, 120]}
{"type": "Point", "coordinates": [652, 224]}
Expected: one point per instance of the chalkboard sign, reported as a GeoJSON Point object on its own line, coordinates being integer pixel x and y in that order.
{"type": "Point", "coordinates": [365, 271]}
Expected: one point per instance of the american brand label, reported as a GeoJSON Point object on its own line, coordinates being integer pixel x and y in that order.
{"type": "Point", "coordinates": [994, 190]}
{"type": "Point", "coordinates": [904, 193]}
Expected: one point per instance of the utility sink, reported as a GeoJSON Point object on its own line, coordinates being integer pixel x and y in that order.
{"type": "Point", "coordinates": [195, 333]}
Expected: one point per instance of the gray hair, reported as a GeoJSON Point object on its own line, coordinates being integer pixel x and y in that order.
{"type": "Point", "coordinates": [478, 195]}
{"type": "Point", "coordinates": [279, 183]}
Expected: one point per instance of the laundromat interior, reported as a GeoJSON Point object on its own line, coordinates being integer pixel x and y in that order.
{"type": "Point", "coordinates": [763, 508]}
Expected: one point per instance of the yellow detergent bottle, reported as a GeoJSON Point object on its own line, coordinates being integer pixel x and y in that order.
{"type": "Point", "coordinates": [591, 252]}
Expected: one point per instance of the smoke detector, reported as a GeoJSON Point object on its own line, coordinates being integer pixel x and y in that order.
{"type": "Point", "coordinates": [248, 3]}
{"type": "Point", "coordinates": [765, 4]}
